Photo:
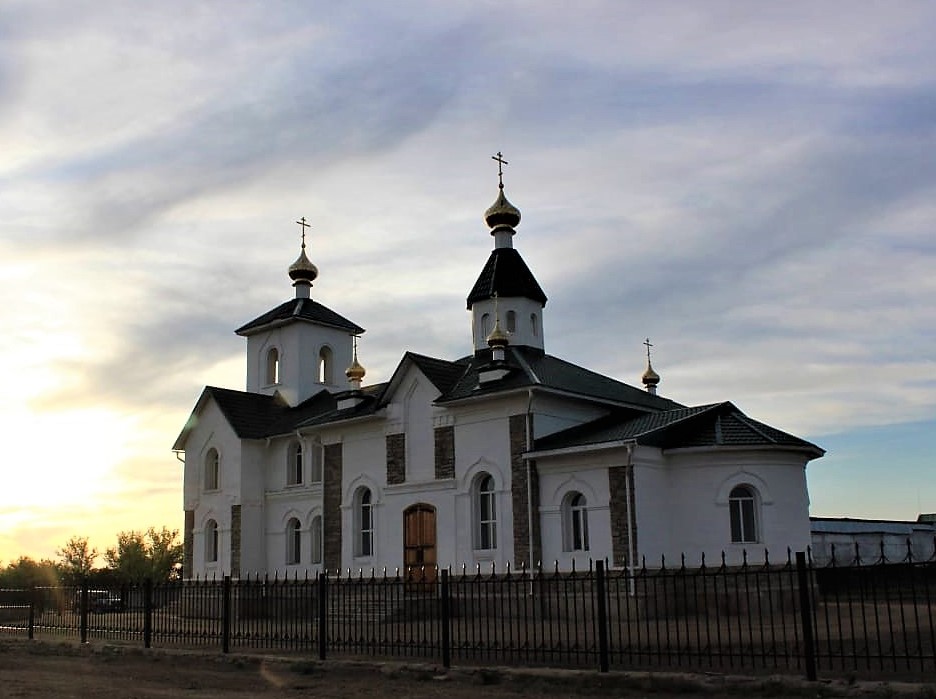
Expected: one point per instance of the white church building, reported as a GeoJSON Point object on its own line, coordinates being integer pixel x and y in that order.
{"type": "Point", "coordinates": [506, 456]}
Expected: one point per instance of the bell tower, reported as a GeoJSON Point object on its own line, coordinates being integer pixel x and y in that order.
{"type": "Point", "coordinates": [506, 289]}
{"type": "Point", "coordinates": [300, 347]}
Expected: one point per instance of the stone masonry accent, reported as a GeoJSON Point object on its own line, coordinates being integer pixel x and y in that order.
{"type": "Point", "coordinates": [396, 458]}
{"type": "Point", "coordinates": [445, 452]}
{"type": "Point", "coordinates": [621, 524]}
{"type": "Point", "coordinates": [518, 488]}
{"type": "Point", "coordinates": [331, 503]}
{"type": "Point", "coordinates": [188, 541]}
{"type": "Point", "coordinates": [235, 540]}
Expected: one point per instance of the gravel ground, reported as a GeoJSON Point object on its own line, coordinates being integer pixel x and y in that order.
{"type": "Point", "coordinates": [71, 671]}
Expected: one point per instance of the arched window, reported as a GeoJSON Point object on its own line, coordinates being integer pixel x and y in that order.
{"type": "Point", "coordinates": [293, 542]}
{"type": "Point", "coordinates": [485, 513]}
{"type": "Point", "coordinates": [211, 541]}
{"type": "Point", "coordinates": [212, 469]}
{"type": "Point", "coordinates": [511, 322]}
{"type": "Point", "coordinates": [272, 366]}
{"type": "Point", "coordinates": [294, 464]}
{"type": "Point", "coordinates": [316, 539]}
{"type": "Point", "coordinates": [742, 507]}
{"type": "Point", "coordinates": [533, 328]}
{"type": "Point", "coordinates": [325, 365]}
{"type": "Point", "coordinates": [364, 523]}
{"type": "Point", "coordinates": [575, 522]}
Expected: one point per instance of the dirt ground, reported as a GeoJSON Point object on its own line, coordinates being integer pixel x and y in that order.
{"type": "Point", "coordinates": [69, 671]}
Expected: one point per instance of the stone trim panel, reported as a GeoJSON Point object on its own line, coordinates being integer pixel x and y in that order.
{"type": "Point", "coordinates": [396, 459]}
{"type": "Point", "coordinates": [623, 514]}
{"type": "Point", "coordinates": [235, 540]}
{"type": "Point", "coordinates": [331, 505]}
{"type": "Point", "coordinates": [188, 545]}
{"type": "Point", "coordinates": [518, 494]}
{"type": "Point", "coordinates": [445, 452]}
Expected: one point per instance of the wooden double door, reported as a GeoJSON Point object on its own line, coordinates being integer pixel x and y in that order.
{"type": "Point", "coordinates": [419, 543]}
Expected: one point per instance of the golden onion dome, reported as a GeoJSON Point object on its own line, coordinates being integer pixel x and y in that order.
{"type": "Point", "coordinates": [497, 338]}
{"type": "Point", "coordinates": [355, 372]}
{"type": "Point", "coordinates": [650, 377]}
{"type": "Point", "coordinates": [303, 269]}
{"type": "Point", "coordinates": [502, 213]}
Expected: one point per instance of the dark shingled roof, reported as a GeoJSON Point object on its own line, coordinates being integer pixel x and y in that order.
{"type": "Point", "coordinates": [255, 415]}
{"type": "Point", "coordinates": [442, 373]}
{"type": "Point", "coordinates": [532, 367]}
{"type": "Point", "coordinates": [718, 424]}
{"type": "Point", "coordinates": [505, 274]}
{"type": "Point", "coordinates": [300, 309]}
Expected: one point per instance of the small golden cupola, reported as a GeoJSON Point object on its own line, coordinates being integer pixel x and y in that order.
{"type": "Point", "coordinates": [650, 378]}
{"type": "Point", "coordinates": [355, 372]}
{"type": "Point", "coordinates": [302, 271]}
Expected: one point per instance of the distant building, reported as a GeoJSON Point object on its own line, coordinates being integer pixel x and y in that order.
{"type": "Point", "coordinates": [505, 456]}
{"type": "Point", "coordinates": [871, 540]}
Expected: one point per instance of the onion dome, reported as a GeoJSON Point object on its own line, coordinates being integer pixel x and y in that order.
{"type": "Point", "coordinates": [650, 377]}
{"type": "Point", "coordinates": [355, 372]}
{"type": "Point", "coordinates": [497, 338]}
{"type": "Point", "coordinates": [502, 213]}
{"type": "Point", "coordinates": [303, 269]}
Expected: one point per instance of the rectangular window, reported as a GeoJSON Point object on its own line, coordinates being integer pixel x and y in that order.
{"type": "Point", "coordinates": [743, 529]}
{"type": "Point", "coordinates": [367, 531]}
{"type": "Point", "coordinates": [487, 523]}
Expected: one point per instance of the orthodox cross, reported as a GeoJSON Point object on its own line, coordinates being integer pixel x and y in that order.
{"type": "Point", "coordinates": [303, 225]}
{"type": "Point", "coordinates": [500, 168]}
{"type": "Point", "coordinates": [647, 343]}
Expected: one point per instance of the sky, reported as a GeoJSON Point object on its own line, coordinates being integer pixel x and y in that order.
{"type": "Point", "coordinates": [750, 185]}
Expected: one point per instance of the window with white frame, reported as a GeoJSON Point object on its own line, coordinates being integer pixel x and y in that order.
{"type": "Point", "coordinates": [293, 542]}
{"type": "Point", "coordinates": [742, 507]}
{"type": "Point", "coordinates": [316, 533]}
{"type": "Point", "coordinates": [575, 522]}
{"type": "Point", "coordinates": [294, 464]}
{"type": "Point", "coordinates": [212, 469]}
{"type": "Point", "coordinates": [315, 464]}
{"type": "Point", "coordinates": [485, 513]}
{"type": "Point", "coordinates": [272, 366]}
{"type": "Point", "coordinates": [364, 523]}
{"type": "Point", "coordinates": [211, 541]}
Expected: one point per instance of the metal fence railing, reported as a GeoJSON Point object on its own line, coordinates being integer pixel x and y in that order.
{"type": "Point", "coordinates": [848, 617]}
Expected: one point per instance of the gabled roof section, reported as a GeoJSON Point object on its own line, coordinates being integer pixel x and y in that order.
{"type": "Point", "coordinates": [532, 367]}
{"type": "Point", "coordinates": [300, 309]}
{"type": "Point", "coordinates": [715, 425]}
{"type": "Point", "coordinates": [505, 274]}
{"type": "Point", "coordinates": [442, 373]}
{"type": "Point", "coordinates": [255, 415]}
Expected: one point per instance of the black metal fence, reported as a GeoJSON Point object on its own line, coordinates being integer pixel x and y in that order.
{"type": "Point", "coordinates": [851, 618]}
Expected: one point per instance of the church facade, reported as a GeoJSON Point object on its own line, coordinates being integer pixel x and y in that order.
{"type": "Point", "coordinates": [507, 456]}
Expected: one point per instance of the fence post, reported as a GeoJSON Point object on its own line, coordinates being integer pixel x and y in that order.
{"type": "Point", "coordinates": [446, 627]}
{"type": "Point", "coordinates": [147, 613]}
{"type": "Point", "coordinates": [602, 616]}
{"type": "Point", "coordinates": [226, 614]}
{"type": "Point", "coordinates": [322, 613]}
{"type": "Point", "coordinates": [83, 599]}
{"type": "Point", "coordinates": [809, 644]}
{"type": "Point", "coordinates": [32, 611]}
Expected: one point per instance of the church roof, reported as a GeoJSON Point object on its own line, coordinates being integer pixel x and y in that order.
{"type": "Point", "coordinates": [300, 309]}
{"type": "Point", "coordinates": [505, 274]}
{"type": "Point", "coordinates": [714, 425]}
{"type": "Point", "coordinates": [532, 367]}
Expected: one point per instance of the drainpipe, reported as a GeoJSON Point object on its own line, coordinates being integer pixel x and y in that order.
{"type": "Point", "coordinates": [529, 476]}
{"type": "Point", "coordinates": [631, 520]}
{"type": "Point", "coordinates": [180, 459]}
